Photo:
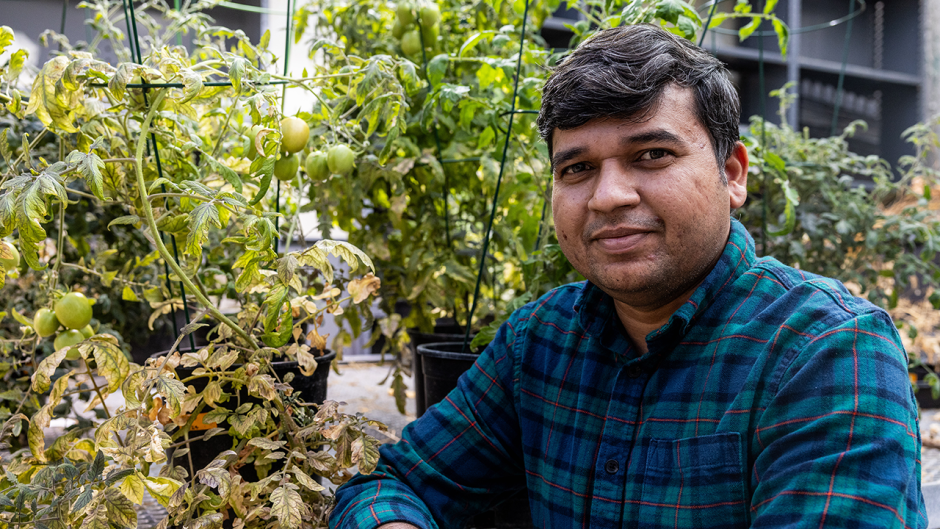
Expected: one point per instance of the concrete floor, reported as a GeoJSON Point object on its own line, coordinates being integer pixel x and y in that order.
{"type": "Point", "coordinates": [358, 386]}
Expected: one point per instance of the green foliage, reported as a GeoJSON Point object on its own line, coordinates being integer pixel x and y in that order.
{"type": "Point", "coordinates": [839, 214]}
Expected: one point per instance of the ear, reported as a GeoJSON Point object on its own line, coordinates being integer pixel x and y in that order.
{"type": "Point", "coordinates": [736, 173]}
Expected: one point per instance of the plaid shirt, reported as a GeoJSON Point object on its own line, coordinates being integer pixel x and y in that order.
{"type": "Point", "coordinates": [771, 398]}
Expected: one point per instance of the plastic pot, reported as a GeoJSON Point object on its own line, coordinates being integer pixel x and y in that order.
{"type": "Point", "coordinates": [442, 363]}
{"type": "Point", "coordinates": [443, 332]}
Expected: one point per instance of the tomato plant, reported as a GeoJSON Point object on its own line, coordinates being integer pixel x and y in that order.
{"type": "Point", "coordinates": [193, 167]}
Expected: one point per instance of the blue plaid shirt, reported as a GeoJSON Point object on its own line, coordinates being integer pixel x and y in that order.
{"type": "Point", "coordinates": [771, 398]}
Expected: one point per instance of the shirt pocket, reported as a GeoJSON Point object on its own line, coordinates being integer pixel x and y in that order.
{"type": "Point", "coordinates": [694, 483]}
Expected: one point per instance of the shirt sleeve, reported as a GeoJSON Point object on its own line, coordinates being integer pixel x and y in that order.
{"type": "Point", "coordinates": [839, 444]}
{"type": "Point", "coordinates": [460, 458]}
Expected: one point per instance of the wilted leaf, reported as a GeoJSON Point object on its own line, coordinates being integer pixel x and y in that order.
{"type": "Point", "coordinates": [362, 288]}
{"type": "Point", "coordinates": [365, 453]}
{"type": "Point", "coordinates": [41, 377]}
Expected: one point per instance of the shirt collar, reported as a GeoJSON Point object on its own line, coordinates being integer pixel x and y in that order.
{"type": "Point", "coordinates": [598, 316]}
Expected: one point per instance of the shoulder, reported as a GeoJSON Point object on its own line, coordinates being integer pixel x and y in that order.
{"type": "Point", "coordinates": [817, 299]}
{"type": "Point", "coordinates": [825, 319]}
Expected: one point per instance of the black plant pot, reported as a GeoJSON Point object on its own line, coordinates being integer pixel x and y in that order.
{"type": "Point", "coordinates": [922, 390]}
{"type": "Point", "coordinates": [312, 390]}
{"type": "Point", "coordinates": [443, 332]}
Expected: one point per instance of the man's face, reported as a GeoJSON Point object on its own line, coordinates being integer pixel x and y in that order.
{"type": "Point", "coordinates": [640, 207]}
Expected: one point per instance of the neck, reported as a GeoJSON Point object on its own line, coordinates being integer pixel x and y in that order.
{"type": "Point", "coordinates": [640, 321]}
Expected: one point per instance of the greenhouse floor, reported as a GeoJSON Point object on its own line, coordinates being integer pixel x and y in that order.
{"type": "Point", "coordinates": [357, 385]}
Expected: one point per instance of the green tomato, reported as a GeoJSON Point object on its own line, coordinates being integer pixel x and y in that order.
{"type": "Point", "coordinates": [285, 169]}
{"type": "Point", "coordinates": [9, 263]}
{"type": "Point", "coordinates": [294, 134]}
{"type": "Point", "coordinates": [73, 310]}
{"type": "Point", "coordinates": [430, 34]}
{"type": "Point", "coordinates": [397, 29]}
{"type": "Point", "coordinates": [317, 167]}
{"type": "Point", "coordinates": [68, 339]}
{"type": "Point", "coordinates": [340, 159]}
{"type": "Point", "coordinates": [411, 42]}
{"type": "Point", "coordinates": [252, 134]}
{"type": "Point", "coordinates": [45, 322]}
{"type": "Point", "coordinates": [87, 331]}
{"type": "Point", "coordinates": [430, 15]}
{"type": "Point", "coordinates": [406, 13]}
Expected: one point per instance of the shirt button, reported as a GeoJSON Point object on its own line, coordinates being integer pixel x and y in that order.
{"type": "Point", "coordinates": [634, 371]}
{"type": "Point", "coordinates": [612, 466]}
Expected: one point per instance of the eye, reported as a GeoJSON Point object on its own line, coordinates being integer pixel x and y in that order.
{"type": "Point", "coordinates": [573, 169]}
{"type": "Point", "coordinates": [654, 154]}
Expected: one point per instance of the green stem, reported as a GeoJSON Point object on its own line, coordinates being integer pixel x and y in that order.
{"type": "Point", "coordinates": [152, 224]}
{"type": "Point", "coordinates": [59, 244]}
{"type": "Point", "coordinates": [190, 195]}
{"type": "Point", "coordinates": [94, 384]}
{"type": "Point", "coordinates": [228, 118]}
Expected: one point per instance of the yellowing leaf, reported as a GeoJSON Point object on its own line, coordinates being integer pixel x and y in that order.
{"type": "Point", "coordinates": [127, 294]}
{"type": "Point", "coordinates": [365, 453]}
{"type": "Point", "coordinates": [112, 364]}
{"type": "Point", "coordinates": [266, 444]}
{"type": "Point", "coordinates": [41, 378]}
{"type": "Point", "coordinates": [133, 488]}
{"type": "Point", "coordinates": [161, 488]}
{"type": "Point", "coordinates": [40, 420]}
{"type": "Point", "coordinates": [56, 111]}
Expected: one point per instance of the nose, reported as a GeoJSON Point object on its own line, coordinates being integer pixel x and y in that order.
{"type": "Point", "coordinates": [615, 187]}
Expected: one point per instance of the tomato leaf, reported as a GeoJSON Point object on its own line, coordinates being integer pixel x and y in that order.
{"type": "Point", "coordinates": [475, 39]}
{"type": "Point", "coordinates": [111, 361]}
{"type": "Point", "coordinates": [89, 166]}
{"type": "Point", "coordinates": [266, 172]}
{"type": "Point", "coordinates": [288, 507]}
{"type": "Point", "coordinates": [133, 488]}
{"type": "Point", "coordinates": [6, 37]}
{"type": "Point", "coordinates": [437, 68]}
{"type": "Point", "coordinates": [201, 219]}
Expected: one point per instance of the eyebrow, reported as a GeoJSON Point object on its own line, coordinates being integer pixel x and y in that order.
{"type": "Point", "coordinates": [654, 136]}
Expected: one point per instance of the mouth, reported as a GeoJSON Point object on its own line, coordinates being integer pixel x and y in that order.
{"type": "Point", "coordinates": [620, 240]}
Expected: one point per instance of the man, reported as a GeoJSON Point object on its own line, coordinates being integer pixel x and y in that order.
{"type": "Point", "coordinates": [687, 383]}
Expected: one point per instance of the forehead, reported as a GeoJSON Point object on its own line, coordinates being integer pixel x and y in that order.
{"type": "Point", "coordinates": [674, 112]}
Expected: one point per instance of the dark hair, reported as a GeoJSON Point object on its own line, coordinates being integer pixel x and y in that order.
{"type": "Point", "coordinates": [623, 72]}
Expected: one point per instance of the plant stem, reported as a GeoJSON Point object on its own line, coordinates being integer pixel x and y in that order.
{"type": "Point", "coordinates": [94, 384]}
{"type": "Point", "coordinates": [152, 224]}
{"type": "Point", "coordinates": [228, 118]}
{"type": "Point", "coordinates": [80, 193]}
{"type": "Point", "coordinates": [59, 244]}
{"type": "Point", "coordinates": [191, 195]}
{"type": "Point", "coordinates": [96, 273]}
{"type": "Point", "coordinates": [32, 145]}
